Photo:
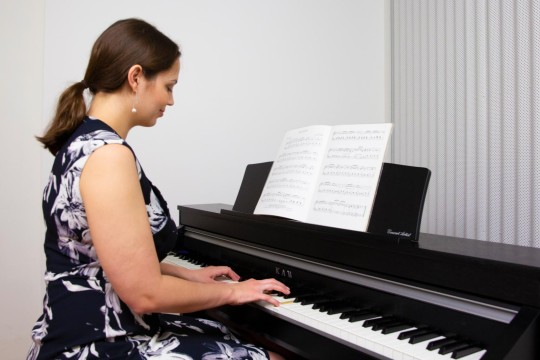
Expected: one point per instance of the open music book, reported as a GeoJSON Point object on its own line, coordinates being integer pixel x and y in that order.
{"type": "Point", "coordinates": [326, 175]}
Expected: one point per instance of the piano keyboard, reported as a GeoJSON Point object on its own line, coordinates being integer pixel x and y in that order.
{"type": "Point", "coordinates": [362, 329]}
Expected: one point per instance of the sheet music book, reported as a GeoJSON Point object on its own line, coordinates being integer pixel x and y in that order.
{"type": "Point", "coordinates": [326, 175]}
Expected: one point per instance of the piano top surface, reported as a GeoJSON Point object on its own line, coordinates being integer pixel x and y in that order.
{"type": "Point", "coordinates": [504, 272]}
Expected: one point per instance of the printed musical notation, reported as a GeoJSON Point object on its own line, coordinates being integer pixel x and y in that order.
{"type": "Point", "coordinates": [279, 200]}
{"type": "Point", "coordinates": [350, 170]}
{"type": "Point", "coordinates": [294, 169]}
{"type": "Point", "coordinates": [326, 175]}
{"type": "Point", "coordinates": [304, 141]}
{"type": "Point", "coordinates": [341, 189]}
{"type": "Point", "coordinates": [355, 153]}
{"type": "Point", "coordinates": [287, 183]}
{"type": "Point", "coordinates": [360, 135]}
{"type": "Point", "coordinates": [302, 156]}
{"type": "Point", "coordinates": [339, 208]}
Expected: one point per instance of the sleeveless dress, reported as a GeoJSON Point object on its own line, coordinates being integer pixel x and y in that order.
{"type": "Point", "coordinates": [83, 318]}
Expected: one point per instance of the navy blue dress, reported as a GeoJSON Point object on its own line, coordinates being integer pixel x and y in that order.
{"type": "Point", "coordinates": [83, 317]}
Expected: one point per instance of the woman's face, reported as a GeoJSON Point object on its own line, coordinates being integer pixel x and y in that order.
{"type": "Point", "coordinates": [156, 94]}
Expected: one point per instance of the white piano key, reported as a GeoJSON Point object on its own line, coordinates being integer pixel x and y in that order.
{"type": "Point", "coordinates": [171, 259]}
{"type": "Point", "coordinates": [388, 345]}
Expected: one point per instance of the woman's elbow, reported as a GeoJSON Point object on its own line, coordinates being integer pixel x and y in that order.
{"type": "Point", "coordinates": [142, 304]}
{"type": "Point", "coordinates": [140, 299]}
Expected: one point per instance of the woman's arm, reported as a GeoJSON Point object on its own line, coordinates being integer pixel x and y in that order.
{"type": "Point", "coordinates": [121, 234]}
{"type": "Point", "coordinates": [207, 274]}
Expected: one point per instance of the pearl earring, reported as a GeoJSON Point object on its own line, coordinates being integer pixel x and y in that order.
{"type": "Point", "coordinates": [133, 109]}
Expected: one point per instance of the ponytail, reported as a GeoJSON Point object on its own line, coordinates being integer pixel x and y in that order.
{"type": "Point", "coordinates": [123, 44]}
{"type": "Point", "coordinates": [70, 113]}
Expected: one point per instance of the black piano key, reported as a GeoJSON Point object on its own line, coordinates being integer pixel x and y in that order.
{"type": "Point", "coordinates": [319, 304]}
{"type": "Point", "coordinates": [348, 314]}
{"type": "Point", "coordinates": [384, 324]}
{"type": "Point", "coordinates": [390, 329]}
{"type": "Point", "coordinates": [305, 299]}
{"type": "Point", "coordinates": [340, 309]}
{"type": "Point", "coordinates": [299, 291]}
{"type": "Point", "coordinates": [423, 337]}
{"type": "Point", "coordinates": [458, 354]}
{"type": "Point", "coordinates": [314, 301]}
{"type": "Point", "coordinates": [362, 316]}
{"type": "Point", "coordinates": [325, 307]}
{"type": "Point", "coordinates": [373, 322]}
{"type": "Point", "coordinates": [437, 344]}
{"type": "Point", "coordinates": [450, 348]}
{"type": "Point", "coordinates": [418, 331]}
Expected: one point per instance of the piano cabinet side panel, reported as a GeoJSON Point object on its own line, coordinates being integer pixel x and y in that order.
{"type": "Point", "coordinates": [521, 340]}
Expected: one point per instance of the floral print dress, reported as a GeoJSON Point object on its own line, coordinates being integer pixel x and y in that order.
{"type": "Point", "coordinates": [83, 317]}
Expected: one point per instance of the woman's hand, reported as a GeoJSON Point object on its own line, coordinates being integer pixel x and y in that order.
{"type": "Point", "coordinates": [211, 274]}
{"type": "Point", "coordinates": [255, 290]}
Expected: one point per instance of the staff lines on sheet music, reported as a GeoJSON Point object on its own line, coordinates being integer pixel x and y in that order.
{"type": "Point", "coordinates": [339, 208]}
{"type": "Point", "coordinates": [360, 149]}
{"type": "Point", "coordinates": [355, 157]}
{"type": "Point", "coordinates": [288, 180]}
{"type": "Point", "coordinates": [349, 170]}
{"type": "Point", "coordinates": [344, 189]}
{"type": "Point", "coordinates": [293, 169]}
{"type": "Point", "coordinates": [304, 155]}
{"type": "Point", "coordinates": [283, 198]}
{"type": "Point", "coordinates": [286, 186]}
{"type": "Point", "coordinates": [355, 135]}
{"type": "Point", "coordinates": [303, 141]}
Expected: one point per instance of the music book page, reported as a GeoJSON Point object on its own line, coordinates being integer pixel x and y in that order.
{"type": "Point", "coordinates": [327, 175]}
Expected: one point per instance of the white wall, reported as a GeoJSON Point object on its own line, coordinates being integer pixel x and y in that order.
{"type": "Point", "coordinates": [21, 230]}
{"type": "Point", "coordinates": [250, 71]}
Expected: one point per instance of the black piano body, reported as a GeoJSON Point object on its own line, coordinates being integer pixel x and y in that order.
{"type": "Point", "coordinates": [486, 293]}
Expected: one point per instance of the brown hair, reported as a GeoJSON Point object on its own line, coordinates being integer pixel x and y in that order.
{"type": "Point", "coordinates": [122, 45]}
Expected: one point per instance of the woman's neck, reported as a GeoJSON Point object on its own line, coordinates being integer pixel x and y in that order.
{"type": "Point", "coordinates": [114, 110]}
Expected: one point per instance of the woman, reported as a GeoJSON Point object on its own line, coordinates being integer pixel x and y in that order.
{"type": "Point", "coordinates": [108, 227]}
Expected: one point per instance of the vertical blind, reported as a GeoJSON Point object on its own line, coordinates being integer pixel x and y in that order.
{"type": "Point", "coordinates": [465, 104]}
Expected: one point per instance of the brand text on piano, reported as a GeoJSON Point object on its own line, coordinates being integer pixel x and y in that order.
{"type": "Point", "coordinates": [284, 272]}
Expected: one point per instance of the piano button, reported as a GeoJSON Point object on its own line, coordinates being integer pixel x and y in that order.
{"type": "Point", "coordinates": [415, 339]}
{"type": "Point", "coordinates": [437, 344]}
{"type": "Point", "coordinates": [465, 351]}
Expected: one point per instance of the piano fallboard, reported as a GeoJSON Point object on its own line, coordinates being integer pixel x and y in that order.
{"type": "Point", "coordinates": [484, 292]}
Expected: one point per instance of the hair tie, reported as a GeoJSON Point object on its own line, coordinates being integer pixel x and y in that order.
{"type": "Point", "coordinates": [84, 83]}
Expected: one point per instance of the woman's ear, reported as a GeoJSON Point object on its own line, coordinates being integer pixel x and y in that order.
{"type": "Point", "coordinates": [135, 75]}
